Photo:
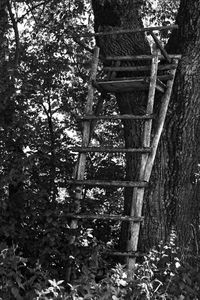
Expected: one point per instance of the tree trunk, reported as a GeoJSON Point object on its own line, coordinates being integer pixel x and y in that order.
{"type": "Point", "coordinates": [176, 173]}
{"type": "Point", "coordinates": [13, 146]}
{"type": "Point", "coordinates": [183, 125]}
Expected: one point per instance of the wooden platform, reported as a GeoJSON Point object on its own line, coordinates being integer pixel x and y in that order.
{"type": "Point", "coordinates": [128, 85]}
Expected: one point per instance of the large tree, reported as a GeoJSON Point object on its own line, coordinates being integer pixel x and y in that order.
{"type": "Point", "coordinates": [172, 199]}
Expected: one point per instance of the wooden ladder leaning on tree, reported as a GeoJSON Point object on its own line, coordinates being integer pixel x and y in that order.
{"type": "Point", "coordinates": [163, 84]}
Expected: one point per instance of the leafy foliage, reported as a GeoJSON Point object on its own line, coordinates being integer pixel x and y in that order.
{"type": "Point", "coordinates": [162, 275]}
{"type": "Point", "coordinates": [48, 88]}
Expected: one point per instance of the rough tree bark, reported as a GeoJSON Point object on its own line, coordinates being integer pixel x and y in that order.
{"type": "Point", "coordinates": [173, 197]}
{"type": "Point", "coordinates": [176, 174]}
{"type": "Point", "coordinates": [182, 130]}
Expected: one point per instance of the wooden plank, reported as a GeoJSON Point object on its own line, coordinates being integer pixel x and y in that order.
{"type": "Point", "coordinates": [159, 45]}
{"type": "Point", "coordinates": [125, 85]}
{"type": "Point", "coordinates": [124, 254]}
{"type": "Point", "coordinates": [117, 117]}
{"type": "Point", "coordinates": [139, 68]}
{"type": "Point", "coordinates": [145, 29]}
{"type": "Point", "coordinates": [104, 217]}
{"type": "Point", "coordinates": [121, 86]}
{"type": "Point", "coordinates": [140, 57]}
{"type": "Point", "coordinates": [111, 150]}
{"type": "Point", "coordinates": [102, 183]}
{"type": "Point", "coordinates": [137, 202]}
{"type": "Point", "coordinates": [164, 77]}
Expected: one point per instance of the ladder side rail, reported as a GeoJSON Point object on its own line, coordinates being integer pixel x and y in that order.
{"type": "Point", "coordinates": [151, 157]}
{"type": "Point", "coordinates": [97, 111]}
{"type": "Point", "coordinates": [137, 202]}
{"type": "Point", "coordinates": [149, 111]}
{"type": "Point", "coordinates": [80, 168]}
{"type": "Point", "coordinates": [160, 125]}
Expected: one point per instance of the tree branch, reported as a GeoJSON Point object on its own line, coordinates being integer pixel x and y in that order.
{"type": "Point", "coordinates": [31, 9]}
{"type": "Point", "coordinates": [80, 43]}
{"type": "Point", "coordinates": [16, 31]}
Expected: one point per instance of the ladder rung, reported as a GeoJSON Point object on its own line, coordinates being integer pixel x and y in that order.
{"type": "Point", "coordinates": [113, 183]}
{"type": "Point", "coordinates": [164, 77]}
{"type": "Point", "coordinates": [126, 254]}
{"type": "Point", "coordinates": [111, 150]}
{"type": "Point", "coordinates": [105, 217]}
{"type": "Point", "coordinates": [117, 117]}
{"type": "Point", "coordinates": [140, 57]}
{"type": "Point", "coordinates": [161, 84]}
{"type": "Point", "coordinates": [123, 31]}
{"type": "Point", "coordinates": [139, 68]}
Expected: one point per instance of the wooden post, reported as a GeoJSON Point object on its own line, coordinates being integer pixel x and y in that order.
{"type": "Point", "coordinates": [160, 124]}
{"type": "Point", "coordinates": [146, 172]}
{"type": "Point", "coordinates": [80, 168]}
{"type": "Point", "coordinates": [137, 202]}
{"type": "Point", "coordinates": [86, 133]}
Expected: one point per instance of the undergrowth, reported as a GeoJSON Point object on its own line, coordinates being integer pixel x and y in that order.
{"type": "Point", "coordinates": [163, 274]}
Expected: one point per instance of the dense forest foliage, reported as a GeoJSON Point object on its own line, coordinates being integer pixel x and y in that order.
{"type": "Point", "coordinates": [44, 69]}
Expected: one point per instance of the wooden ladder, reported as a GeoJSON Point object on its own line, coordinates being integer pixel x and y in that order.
{"type": "Point", "coordinates": [163, 84]}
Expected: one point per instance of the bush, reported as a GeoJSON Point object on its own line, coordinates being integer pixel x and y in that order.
{"type": "Point", "coordinates": [162, 275]}
{"type": "Point", "coordinates": [17, 279]}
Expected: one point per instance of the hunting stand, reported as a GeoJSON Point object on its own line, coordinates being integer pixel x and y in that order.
{"type": "Point", "coordinates": [160, 81]}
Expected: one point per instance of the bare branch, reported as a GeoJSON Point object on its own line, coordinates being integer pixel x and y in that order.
{"type": "Point", "coordinates": [32, 8]}
{"type": "Point", "coordinates": [80, 43]}
{"type": "Point", "coordinates": [16, 31]}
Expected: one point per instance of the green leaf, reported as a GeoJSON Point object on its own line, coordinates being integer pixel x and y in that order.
{"type": "Point", "coordinates": [15, 293]}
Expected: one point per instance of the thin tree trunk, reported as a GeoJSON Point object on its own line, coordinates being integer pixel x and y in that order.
{"type": "Point", "coordinates": [13, 143]}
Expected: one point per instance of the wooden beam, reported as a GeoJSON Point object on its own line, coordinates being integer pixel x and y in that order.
{"type": "Point", "coordinates": [137, 202]}
{"type": "Point", "coordinates": [111, 150]}
{"type": "Point", "coordinates": [124, 254]}
{"type": "Point", "coordinates": [139, 68]}
{"type": "Point", "coordinates": [159, 45]}
{"type": "Point", "coordinates": [117, 117]}
{"type": "Point", "coordinates": [105, 217]}
{"type": "Point", "coordinates": [145, 29]}
{"type": "Point", "coordinates": [126, 85]}
{"type": "Point", "coordinates": [79, 169]}
{"type": "Point", "coordinates": [103, 183]}
{"type": "Point", "coordinates": [160, 124]}
{"type": "Point", "coordinates": [140, 57]}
